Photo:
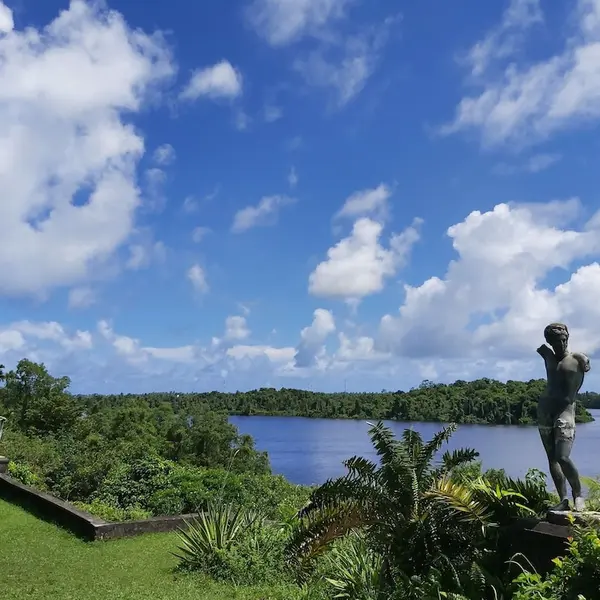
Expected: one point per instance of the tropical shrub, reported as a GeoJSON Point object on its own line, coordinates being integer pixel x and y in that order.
{"type": "Point", "coordinates": [233, 544]}
{"type": "Point", "coordinates": [112, 514]}
{"type": "Point", "coordinates": [412, 513]}
{"type": "Point", "coordinates": [23, 473]}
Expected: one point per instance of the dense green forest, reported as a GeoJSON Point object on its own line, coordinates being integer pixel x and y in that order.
{"type": "Point", "coordinates": [481, 401]}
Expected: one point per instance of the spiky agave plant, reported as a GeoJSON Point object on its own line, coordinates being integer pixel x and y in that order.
{"type": "Point", "coordinates": [390, 503]}
{"type": "Point", "coordinates": [214, 529]}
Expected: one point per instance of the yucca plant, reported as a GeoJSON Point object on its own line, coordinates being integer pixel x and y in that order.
{"type": "Point", "coordinates": [354, 570]}
{"type": "Point", "coordinates": [214, 529]}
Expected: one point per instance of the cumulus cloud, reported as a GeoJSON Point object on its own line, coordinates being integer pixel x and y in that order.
{"type": "Point", "coordinates": [358, 265]}
{"type": "Point", "coordinates": [524, 102]}
{"type": "Point", "coordinates": [68, 156]}
{"type": "Point", "coordinates": [367, 202]}
{"type": "Point", "coordinates": [313, 337]}
{"type": "Point", "coordinates": [493, 301]}
{"type": "Point", "coordinates": [236, 328]}
{"type": "Point", "coordinates": [264, 213]}
{"type": "Point", "coordinates": [6, 19]}
{"type": "Point", "coordinates": [220, 81]}
{"type": "Point", "coordinates": [197, 277]}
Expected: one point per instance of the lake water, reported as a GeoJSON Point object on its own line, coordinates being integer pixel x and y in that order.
{"type": "Point", "coordinates": [309, 451]}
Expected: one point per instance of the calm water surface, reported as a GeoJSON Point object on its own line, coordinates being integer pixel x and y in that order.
{"type": "Point", "coordinates": [309, 451]}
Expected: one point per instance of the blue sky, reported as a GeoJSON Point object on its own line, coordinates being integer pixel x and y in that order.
{"type": "Point", "coordinates": [298, 193]}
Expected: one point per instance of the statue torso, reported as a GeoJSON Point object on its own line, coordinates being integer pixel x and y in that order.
{"type": "Point", "coordinates": [565, 377]}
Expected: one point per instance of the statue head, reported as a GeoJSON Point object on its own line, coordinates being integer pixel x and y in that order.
{"type": "Point", "coordinates": [557, 336]}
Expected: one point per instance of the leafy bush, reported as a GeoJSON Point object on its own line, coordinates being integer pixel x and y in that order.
{"type": "Point", "coordinates": [112, 514]}
{"type": "Point", "coordinates": [575, 577]}
{"type": "Point", "coordinates": [23, 473]}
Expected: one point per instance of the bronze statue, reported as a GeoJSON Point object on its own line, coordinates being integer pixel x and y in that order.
{"type": "Point", "coordinates": [556, 411]}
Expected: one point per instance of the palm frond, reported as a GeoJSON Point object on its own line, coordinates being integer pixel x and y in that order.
{"type": "Point", "coordinates": [432, 447]}
{"type": "Point", "coordinates": [458, 503]}
{"type": "Point", "coordinates": [384, 442]}
{"type": "Point", "coordinates": [319, 530]}
{"type": "Point", "coordinates": [360, 468]}
{"type": "Point", "coordinates": [457, 458]}
{"type": "Point", "coordinates": [338, 491]}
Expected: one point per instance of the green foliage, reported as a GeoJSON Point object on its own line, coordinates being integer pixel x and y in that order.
{"type": "Point", "coordinates": [38, 402]}
{"type": "Point", "coordinates": [480, 401]}
{"type": "Point", "coordinates": [574, 577]}
{"type": "Point", "coordinates": [23, 473]}
{"type": "Point", "coordinates": [232, 544]}
{"type": "Point", "coordinates": [110, 513]}
{"type": "Point", "coordinates": [427, 524]}
{"type": "Point", "coordinates": [352, 569]}
{"type": "Point", "coordinates": [593, 496]}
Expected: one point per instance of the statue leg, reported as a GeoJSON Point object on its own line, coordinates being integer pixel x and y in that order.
{"type": "Point", "coordinates": [564, 436]}
{"type": "Point", "coordinates": [556, 472]}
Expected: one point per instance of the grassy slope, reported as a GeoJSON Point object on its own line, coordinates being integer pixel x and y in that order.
{"type": "Point", "coordinates": [39, 560]}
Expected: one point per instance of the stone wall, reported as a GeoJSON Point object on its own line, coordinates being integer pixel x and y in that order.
{"type": "Point", "coordinates": [79, 522]}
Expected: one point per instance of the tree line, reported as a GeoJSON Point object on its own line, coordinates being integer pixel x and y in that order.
{"type": "Point", "coordinates": [481, 401]}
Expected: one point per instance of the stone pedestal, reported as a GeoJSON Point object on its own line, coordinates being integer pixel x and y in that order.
{"type": "Point", "coordinates": [561, 517]}
{"type": "Point", "coordinates": [3, 464]}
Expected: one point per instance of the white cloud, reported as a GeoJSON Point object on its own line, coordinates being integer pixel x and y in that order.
{"type": "Point", "coordinates": [199, 234]}
{"type": "Point", "coordinates": [134, 353]}
{"type": "Point", "coordinates": [264, 213]}
{"type": "Point", "coordinates": [528, 102]}
{"type": "Point", "coordinates": [282, 22]}
{"type": "Point", "coordinates": [366, 202]}
{"type": "Point", "coordinates": [272, 113]}
{"type": "Point", "coordinates": [492, 302]}
{"type": "Point", "coordinates": [81, 297]}
{"type": "Point", "coordinates": [293, 178]}
{"type": "Point", "coordinates": [236, 328]}
{"type": "Point", "coordinates": [6, 19]}
{"type": "Point", "coordinates": [275, 355]}
{"type": "Point", "coordinates": [359, 264]}
{"type": "Point", "coordinates": [345, 65]}
{"type": "Point", "coordinates": [197, 277]}
{"type": "Point", "coordinates": [164, 155]}
{"type": "Point", "coordinates": [313, 337]}
{"type": "Point", "coordinates": [144, 254]}
{"type": "Point", "coordinates": [505, 39]}
{"type": "Point", "coordinates": [534, 164]}
{"type": "Point", "coordinates": [68, 157]}
{"type": "Point", "coordinates": [221, 80]}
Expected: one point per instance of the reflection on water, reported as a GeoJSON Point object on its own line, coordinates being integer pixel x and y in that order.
{"type": "Point", "coordinates": [309, 451]}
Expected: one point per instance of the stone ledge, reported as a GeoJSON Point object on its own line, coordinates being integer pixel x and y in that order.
{"type": "Point", "coordinates": [561, 517]}
{"type": "Point", "coordinates": [82, 523]}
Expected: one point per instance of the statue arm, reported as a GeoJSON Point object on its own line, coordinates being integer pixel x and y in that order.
{"type": "Point", "coordinates": [545, 352]}
{"type": "Point", "coordinates": [583, 360]}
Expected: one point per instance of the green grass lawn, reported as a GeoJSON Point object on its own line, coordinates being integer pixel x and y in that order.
{"type": "Point", "coordinates": [39, 560]}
